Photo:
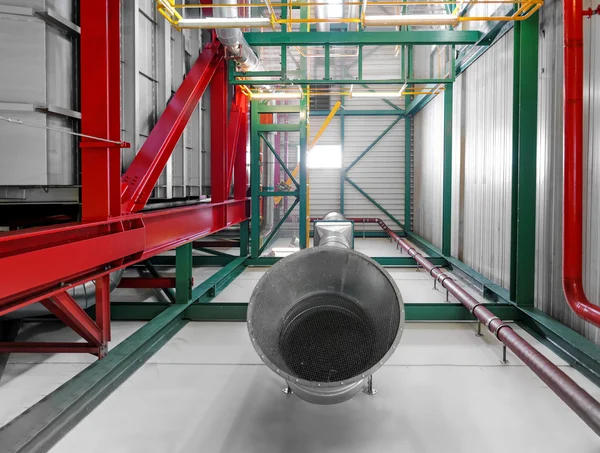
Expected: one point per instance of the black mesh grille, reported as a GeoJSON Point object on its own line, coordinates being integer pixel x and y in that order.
{"type": "Point", "coordinates": [327, 337]}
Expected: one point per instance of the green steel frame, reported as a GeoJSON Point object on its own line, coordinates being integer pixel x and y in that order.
{"type": "Point", "coordinates": [40, 427]}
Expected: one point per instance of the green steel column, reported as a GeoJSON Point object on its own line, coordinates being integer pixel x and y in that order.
{"type": "Point", "coordinates": [342, 171]}
{"type": "Point", "coordinates": [447, 184]}
{"type": "Point", "coordinates": [327, 62]}
{"type": "Point", "coordinates": [254, 179]}
{"type": "Point", "coordinates": [245, 238]}
{"type": "Point", "coordinates": [407, 145]}
{"type": "Point", "coordinates": [303, 172]}
{"type": "Point", "coordinates": [522, 263]}
{"type": "Point", "coordinates": [183, 273]}
{"type": "Point", "coordinates": [284, 15]}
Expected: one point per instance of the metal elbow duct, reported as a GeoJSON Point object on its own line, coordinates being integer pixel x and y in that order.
{"type": "Point", "coordinates": [233, 38]}
{"type": "Point", "coordinates": [84, 295]}
{"type": "Point", "coordinates": [325, 319]}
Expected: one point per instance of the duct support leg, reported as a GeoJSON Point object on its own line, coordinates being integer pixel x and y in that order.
{"type": "Point", "coordinates": [369, 390]}
{"type": "Point", "coordinates": [287, 390]}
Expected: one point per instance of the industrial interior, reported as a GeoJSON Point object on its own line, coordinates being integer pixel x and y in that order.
{"type": "Point", "coordinates": [299, 226]}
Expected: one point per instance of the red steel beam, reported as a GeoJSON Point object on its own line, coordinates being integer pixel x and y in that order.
{"type": "Point", "coordinates": [100, 109]}
{"type": "Point", "coordinates": [38, 263]}
{"type": "Point", "coordinates": [572, 247]}
{"type": "Point", "coordinates": [147, 282]}
{"type": "Point", "coordinates": [143, 173]}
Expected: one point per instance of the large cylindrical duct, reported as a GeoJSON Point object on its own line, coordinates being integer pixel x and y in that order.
{"type": "Point", "coordinates": [325, 319]}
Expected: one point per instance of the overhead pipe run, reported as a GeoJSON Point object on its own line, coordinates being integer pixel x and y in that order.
{"type": "Point", "coordinates": [326, 318]}
{"type": "Point", "coordinates": [582, 403]}
{"type": "Point", "coordinates": [231, 36]}
{"type": "Point", "coordinates": [572, 246]}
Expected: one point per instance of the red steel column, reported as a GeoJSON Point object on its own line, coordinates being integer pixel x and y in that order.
{"type": "Point", "coordinates": [573, 166]}
{"type": "Point", "coordinates": [218, 134]}
{"type": "Point", "coordinates": [103, 307]}
{"type": "Point", "coordinates": [240, 174]}
{"type": "Point", "coordinates": [100, 108]}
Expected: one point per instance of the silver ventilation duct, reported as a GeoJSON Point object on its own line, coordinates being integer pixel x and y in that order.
{"type": "Point", "coordinates": [325, 319]}
{"type": "Point", "coordinates": [233, 38]}
{"type": "Point", "coordinates": [84, 295]}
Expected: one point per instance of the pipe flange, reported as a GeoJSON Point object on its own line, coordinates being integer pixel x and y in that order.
{"type": "Point", "coordinates": [500, 326]}
{"type": "Point", "coordinates": [487, 324]}
{"type": "Point", "coordinates": [475, 306]}
{"type": "Point", "coordinates": [442, 278]}
{"type": "Point", "coordinates": [432, 269]}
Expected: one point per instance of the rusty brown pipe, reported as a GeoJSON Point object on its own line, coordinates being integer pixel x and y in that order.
{"type": "Point", "coordinates": [580, 401]}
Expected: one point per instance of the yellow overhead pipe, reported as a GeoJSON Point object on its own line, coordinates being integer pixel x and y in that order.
{"type": "Point", "coordinates": [320, 132]}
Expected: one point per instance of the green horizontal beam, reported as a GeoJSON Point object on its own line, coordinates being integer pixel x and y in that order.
{"type": "Point", "coordinates": [378, 38]}
{"type": "Point", "coordinates": [197, 261]}
{"type": "Point", "coordinates": [576, 350]}
{"type": "Point", "coordinates": [293, 193]}
{"type": "Point", "coordinates": [236, 311]}
{"type": "Point", "coordinates": [258, 74]}
{"type": "Point", "coordinates": [277, 127]}
{"type": "Point", "coordinates": [266, 108]}
{"type": "Point", "coordinates": [222, 278]}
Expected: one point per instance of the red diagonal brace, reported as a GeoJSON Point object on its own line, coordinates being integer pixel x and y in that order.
{"type": "Point", "coordinates": [143, 173]}
{"type": "Point", "coordinates": [65, 308]}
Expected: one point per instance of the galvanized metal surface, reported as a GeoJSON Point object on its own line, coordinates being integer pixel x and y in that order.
{"type": "Point", "coordinates": [39, 80]}
{"type": "Point", "coordinates": [549, 293]}
{"type": "Point", "coordinates": [428, 166]}
{"type": "Point", "coordinates": [482, 151]}
{"type": "Point", "coordinates": [324, 182]}
{"type": "Point", "coordinates": [155, 59]}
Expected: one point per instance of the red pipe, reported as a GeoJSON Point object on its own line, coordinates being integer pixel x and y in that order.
{"type": "Point", "coordinates": [573, 166]}
{"type": "Point", "coordinates": [582, 403]}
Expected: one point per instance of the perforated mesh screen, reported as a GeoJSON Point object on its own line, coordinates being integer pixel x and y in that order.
{"type": "Point", "coordinates": [327, 337]}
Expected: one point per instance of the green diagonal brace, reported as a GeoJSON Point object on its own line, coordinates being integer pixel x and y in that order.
{"type": "Point", "coordinates": [389, 128]}
{"type": "Point", "coordinates": [377, 205]}
{"type": "Point", "coordinates": [287, 171]}
{"type": "Point", "coordinates": [272, 235]}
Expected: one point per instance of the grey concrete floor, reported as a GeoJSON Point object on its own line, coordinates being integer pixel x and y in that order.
{"type": "Point", "coordinates": [444, 390]}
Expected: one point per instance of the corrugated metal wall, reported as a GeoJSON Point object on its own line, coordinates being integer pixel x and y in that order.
{"type": "Point", "coordinates": [155, 58]}
{"type": "Point", "coordinates": [38, 85]}
{"type": "Point", "coordinates": [380, 173]}
{"type": "Point", "coordinates": [325, 182]}
{"type": "Point", "coordinates": [482, 150]}
{"type": "Point", "coordinates": [41, 87]}
{"type": "Point", "coordinates": [549, 294]}
{"type": "Point", "coordinates": [428, 176]}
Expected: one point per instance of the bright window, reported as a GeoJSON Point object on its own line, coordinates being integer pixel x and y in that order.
{"type": "Point", "coordinates": [325, 156]}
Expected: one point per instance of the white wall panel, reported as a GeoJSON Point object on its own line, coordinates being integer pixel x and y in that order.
{"type": "Point", "coordinates": [325, 182]}
{"type": "Point", "coordinates": [380, 173]}
{"type": "Point", "coordinates": [428, 166]}
{"type": "Point", "coordinates": [549, 293]}
{"type": "Point", "coordinates": [482, 150]}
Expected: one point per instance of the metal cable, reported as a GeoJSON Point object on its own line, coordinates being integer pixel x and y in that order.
{"type": "Point", "coordinates": [24, 123]}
